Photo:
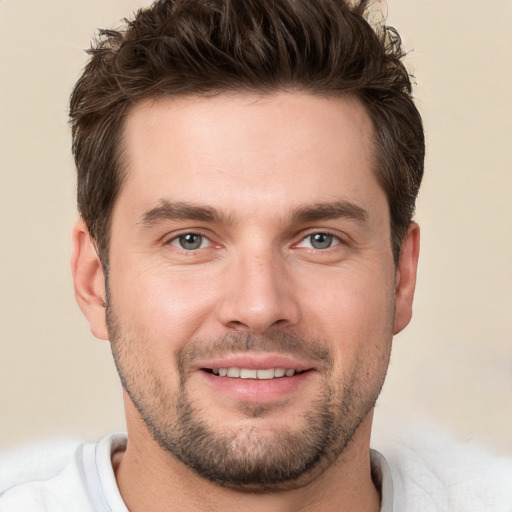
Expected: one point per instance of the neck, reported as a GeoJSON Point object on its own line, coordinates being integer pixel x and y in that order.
{"type": "Point", "coordinates": [152, 480]}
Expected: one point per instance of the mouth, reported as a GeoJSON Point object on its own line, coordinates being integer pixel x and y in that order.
{"type": "Point", "coordinates": [256, 378]}
{"type": "Point", "coordinates": [235, 372]}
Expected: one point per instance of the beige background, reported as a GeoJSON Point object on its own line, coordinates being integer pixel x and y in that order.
{"type": "Point", "coordinates": [453, 364]}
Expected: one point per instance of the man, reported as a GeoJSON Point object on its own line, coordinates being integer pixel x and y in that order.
{"type": "Point", "coordinates": [247, 173]}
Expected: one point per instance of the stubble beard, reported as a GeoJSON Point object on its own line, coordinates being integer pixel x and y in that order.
{"type": "Point", "coordinates": [244, 458]}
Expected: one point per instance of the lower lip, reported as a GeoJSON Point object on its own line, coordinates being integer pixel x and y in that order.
{"type": "Point", "coordinates": [257, 391]}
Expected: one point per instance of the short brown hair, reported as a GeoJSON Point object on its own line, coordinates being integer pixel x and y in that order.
{"type": "Point", "coordinates": [205, 47]}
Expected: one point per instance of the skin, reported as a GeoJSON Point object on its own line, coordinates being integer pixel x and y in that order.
{"type": "Point", "coordinates": [256, 160]}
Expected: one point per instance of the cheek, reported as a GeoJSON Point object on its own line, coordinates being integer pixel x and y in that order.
{"type": "Point", "coordinates": [353, 308]}
{"type": "Point", "coordinates": [163, 306]}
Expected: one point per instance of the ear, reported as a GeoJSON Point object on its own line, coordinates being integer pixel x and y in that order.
{"type": "Point", "coordinates": [405, 280]}
{"type": "Point", "coordinates": [88, 280]}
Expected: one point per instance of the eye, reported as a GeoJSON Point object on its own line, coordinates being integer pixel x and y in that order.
{"type": "Point", "coordinates": [319, 241]}
{"type": "Point", "coordinates": [190, 241]}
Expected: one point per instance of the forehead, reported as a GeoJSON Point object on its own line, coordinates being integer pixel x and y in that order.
{"type": "Point", "coordinates": [249, 151]}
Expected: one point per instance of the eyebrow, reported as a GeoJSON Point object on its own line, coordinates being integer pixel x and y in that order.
{"type": "Point", "coordinates": [328, 211]}
{"type": "Point", "coordinates": [167, 210]}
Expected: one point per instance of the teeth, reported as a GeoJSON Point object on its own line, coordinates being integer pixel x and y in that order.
{"type": "Point", "coordinates": [246, 373]}
{"type": "Point", "coordinates": [233, 372]}
{"type": "Point", "coordinates": [265, 374]}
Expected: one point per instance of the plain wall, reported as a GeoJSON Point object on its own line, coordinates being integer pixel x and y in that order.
{"type": "Point", "coordinates": [454, 362]}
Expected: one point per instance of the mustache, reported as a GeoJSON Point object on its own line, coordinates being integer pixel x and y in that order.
{"type": "Point", "coordinates": [281, 342]}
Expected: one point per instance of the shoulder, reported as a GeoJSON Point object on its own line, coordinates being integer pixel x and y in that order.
{"type": "Point", "coordinates": [36, 461]}
{"type": "Point", "coordinates": [30, 477]}
{"type": "Point", "coordinates": [432, 472]}
{"type": "Point", "coordinates": [56, 476]}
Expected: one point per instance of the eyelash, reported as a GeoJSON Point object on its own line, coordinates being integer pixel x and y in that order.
{"type": "Point", "coordinates": [336, 240]}
{"type": "Point", "coordinates": [176, 239]}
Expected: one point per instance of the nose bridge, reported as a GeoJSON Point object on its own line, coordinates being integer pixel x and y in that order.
{"type": "Point", "coordinates": [259, 292]}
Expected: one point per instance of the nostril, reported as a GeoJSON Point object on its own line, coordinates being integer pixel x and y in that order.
{"type": "Point", "coordinates": [237, 325]}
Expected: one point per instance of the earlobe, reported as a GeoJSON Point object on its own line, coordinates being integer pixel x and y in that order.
{"type": "Point", "coordinates": [406, 277]}
{"type": "Point", "coordinates": [88, 280]}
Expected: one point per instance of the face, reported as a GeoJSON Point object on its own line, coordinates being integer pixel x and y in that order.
{"type": "Point", "coordinates": [252, 294]}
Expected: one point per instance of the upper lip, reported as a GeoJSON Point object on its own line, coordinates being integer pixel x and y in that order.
{"type": "Point", "coordinates": [254, 361]}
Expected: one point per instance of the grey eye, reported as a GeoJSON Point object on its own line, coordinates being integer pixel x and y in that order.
{"type": "Point", "coordinates": [321, 240]}
{"type": "Point", "coordinates": [190, 241]}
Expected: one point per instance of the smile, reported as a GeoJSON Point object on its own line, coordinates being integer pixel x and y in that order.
{"type": "Point", "coordinates": [256, 379]}
{"type": "Point", "coordinates": [249, 373]}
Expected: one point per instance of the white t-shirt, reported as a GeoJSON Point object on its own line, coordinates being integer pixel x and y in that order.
{"type": "Point", "coordinates": [80, 478]}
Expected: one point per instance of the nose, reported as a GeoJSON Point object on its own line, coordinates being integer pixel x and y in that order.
{"type": "Point", "coordinates": [258, 295]}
